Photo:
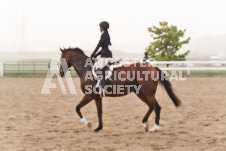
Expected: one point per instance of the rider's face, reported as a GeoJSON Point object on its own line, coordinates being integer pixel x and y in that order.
{"type": "Point", "coordinates": [101, 29]}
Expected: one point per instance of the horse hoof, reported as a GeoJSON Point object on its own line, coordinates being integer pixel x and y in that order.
{"type": "Point", "coordinates": [154, 128]}
{"type": "Point", "coordinates": [98, 129]}
{"type": "Point", "coordinates": [89, 125]}
{"type": "Point", "coordinates": [146, 127]}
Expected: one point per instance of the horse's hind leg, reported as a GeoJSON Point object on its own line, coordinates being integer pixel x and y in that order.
{"type": "Point", "coordinates": [145, 119]}
{"type": "Point", "coordinates": [157, 109]}
{"type": "Point", "coordinates": [152, 104]}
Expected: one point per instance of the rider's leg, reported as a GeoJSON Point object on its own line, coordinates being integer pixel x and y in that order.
{"type": "Point", "coordinates": [100, 74]}
{"type": "Point", "coordinates": [101, 77]}
{"type": "Point", "coordinates": [99, 65]}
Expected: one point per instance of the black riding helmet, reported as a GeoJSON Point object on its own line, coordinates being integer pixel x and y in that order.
{"type": "Point", "coordinates": [104, 24]}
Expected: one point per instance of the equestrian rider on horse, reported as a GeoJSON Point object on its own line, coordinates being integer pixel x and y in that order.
{"type": "Point", "coordinates": [146, 58]}
{"type": "Point", "coordinates": [105, 52]}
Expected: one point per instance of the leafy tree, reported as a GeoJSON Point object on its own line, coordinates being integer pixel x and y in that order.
{"type": "Point", "coordinates": [167, 42]}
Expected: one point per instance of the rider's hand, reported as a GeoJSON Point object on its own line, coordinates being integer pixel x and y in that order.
{"type": "Point", "coordinates": [92, 56]}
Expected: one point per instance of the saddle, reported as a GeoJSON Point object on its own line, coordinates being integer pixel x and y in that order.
{"type": "Point", "coordinates": [113, 63]}
{"type": "Point", "coordinates": [108, 68]}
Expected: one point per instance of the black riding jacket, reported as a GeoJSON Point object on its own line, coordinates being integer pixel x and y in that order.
{"type": "Point", "coordinates": [103, 43]}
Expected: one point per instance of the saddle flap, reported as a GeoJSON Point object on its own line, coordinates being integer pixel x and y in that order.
{"type": "Point", "coordinates": [108, 68]}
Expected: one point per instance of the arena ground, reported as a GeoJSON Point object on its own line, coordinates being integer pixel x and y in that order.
{"type": "Point", "coordinates": [33, 121]}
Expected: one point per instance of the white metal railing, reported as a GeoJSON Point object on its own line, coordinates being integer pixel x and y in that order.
{"type": "Point", "coordinates": [190, 65]}
{"type": "Point", "coordinates": [195, 68]}
{"type": "Point", "coordinates": [189, 62]}
{"type": "Point", "coordinates": [1, 69]}
{"type": "Point", "coordinates": [175, 66]}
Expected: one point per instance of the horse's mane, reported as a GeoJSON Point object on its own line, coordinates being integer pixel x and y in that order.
{"type": "Point", "coordinates": [73, 49]}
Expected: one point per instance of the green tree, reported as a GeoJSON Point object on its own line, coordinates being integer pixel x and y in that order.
{"type": "Point", "coordinates": [167, 42]}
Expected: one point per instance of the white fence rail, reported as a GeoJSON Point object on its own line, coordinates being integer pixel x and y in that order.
{"type": "Point", "coordinates": [30, 66]}
{"type": "Point", "coordinates": [1, 69]}
{"type": "Point", "coordinates": [192, 65]}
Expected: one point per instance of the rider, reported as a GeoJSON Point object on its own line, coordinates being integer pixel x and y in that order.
{"type": "Point", "coordinates": [146, 58]}
{"type": "Point", "coordinates": [105, 52]}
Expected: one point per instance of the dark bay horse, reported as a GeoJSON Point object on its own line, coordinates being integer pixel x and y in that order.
{"type": "Point", "coordinates": [148, 84]}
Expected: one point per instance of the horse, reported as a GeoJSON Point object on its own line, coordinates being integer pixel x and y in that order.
{"type": "Point", "coordinates": [76, 57]}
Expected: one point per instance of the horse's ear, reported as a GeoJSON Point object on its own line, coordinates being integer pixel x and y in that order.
{"type": "Point", "coordinates": [61, 49]}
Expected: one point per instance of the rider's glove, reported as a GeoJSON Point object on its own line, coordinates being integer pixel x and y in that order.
{"type": "Point", "coordinates": [92, 56]}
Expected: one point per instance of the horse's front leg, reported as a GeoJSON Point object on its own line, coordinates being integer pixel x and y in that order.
{"type": "Point", "coordinates": [86, 99]}
{"type": "Point", "coordinates": [99, 112]}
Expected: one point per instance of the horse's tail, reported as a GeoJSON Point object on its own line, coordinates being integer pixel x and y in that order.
{"type": "Point", "coordinates": [167, 85]}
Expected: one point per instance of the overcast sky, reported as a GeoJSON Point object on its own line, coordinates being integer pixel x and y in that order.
{"type": "Point", "coordinates": [46, 25]}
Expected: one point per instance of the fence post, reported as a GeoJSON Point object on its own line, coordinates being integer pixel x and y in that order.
{"type": "Point", "coordinates": [1, 69]}
{"type": "Point", "coordinates": [23, 67]}
{"type": "Point", "coordinates": [18, 68]}
{"type": "Point", "coordinates": [188, 70]}
{"type": "Point", "coordinates": [34, 68]}
{"type": "Point", "coordinates": [49, 69]}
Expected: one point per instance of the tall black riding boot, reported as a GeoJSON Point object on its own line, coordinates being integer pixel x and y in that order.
{"type": "Point", "coordinates": [102, 81]}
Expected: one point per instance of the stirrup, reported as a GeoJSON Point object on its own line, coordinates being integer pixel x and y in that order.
{"type": "Point", "coordinates": [102, 92]}
{"type": "Point", "coordinates": [98, 84]}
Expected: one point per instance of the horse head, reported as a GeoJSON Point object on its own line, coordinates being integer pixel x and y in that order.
{"type": "Point", "coordinates": [69, 57]}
